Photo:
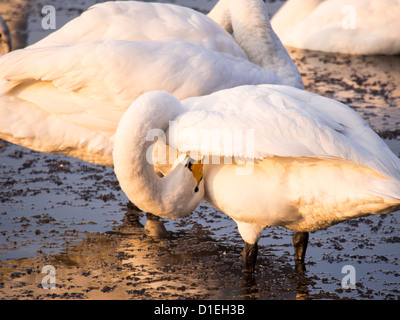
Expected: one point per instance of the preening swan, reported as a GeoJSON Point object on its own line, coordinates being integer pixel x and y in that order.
{"type": "Point", "coordinates": [66, 93]}
{"type": "Point", "coordinates": [142, 21]}
{"type": "Point", "coordinates": [344, 26]}
{"type": "Point", "coordinates": [70, 99]}
{"type": "Point", "coordinates": [5, 37]}
{"type": "Point", "coordinates": [309, 163]}
{"type": "Point", "coordinates": [248, 20]}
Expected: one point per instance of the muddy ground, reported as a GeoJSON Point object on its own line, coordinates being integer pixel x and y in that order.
{"type": "Point", "coordinates": [72, 215]}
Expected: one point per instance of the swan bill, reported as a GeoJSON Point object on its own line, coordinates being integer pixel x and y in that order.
{"type": "Point", "coordinates": [196, 167]}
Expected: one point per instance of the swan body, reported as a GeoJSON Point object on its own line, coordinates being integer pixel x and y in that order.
{"type": "Point", "coordinates": [248, 20]}
{"type": "Point", "coordinates": [313, 161]}
{"type": "Point", "coordinates": [351, 27]}
{"type": "Point", "coordinates": [70, 99]}
{"type": "Point", "coordinates": [66, 93]}
{"type": "Point", "coordinates": [141, 21]}
{"type": "Point", "coordinates": [5, 37]}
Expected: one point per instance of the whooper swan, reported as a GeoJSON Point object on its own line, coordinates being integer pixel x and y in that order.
{"type": "Point", "coordinates": [66, 93]}
{"type": "Point", "coordinates": [285, 157]}
{"type": "Point", "coordinates": [345, 26]}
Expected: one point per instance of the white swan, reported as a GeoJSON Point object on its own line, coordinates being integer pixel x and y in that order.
{"type": "Point", "coordinates": [343, 26]}
{"type": "Point", "coordinates": [5, 37]}
{"type": "Point", "coordinates": [63, 95]}
{"type": "Point", "coordinates": [137, 21]}
{"type": "Point", "coordinates": [310, 163]}
{"type": "Point", "coordinates": [142, 21]}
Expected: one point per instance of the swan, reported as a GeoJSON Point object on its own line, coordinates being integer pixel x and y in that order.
{"type": "Point", "coordinates": [66, 93]}
{"type": "Point", "coordinates": [142, 21]}
{"type": "Point", "coordinates": [310, 162]}
{"type": "Point", "coordinates": [365, 27]}
{"type": "Point", "coordinates": [248, 20]}
{"type": "Point", "coordinates": [5, 37]}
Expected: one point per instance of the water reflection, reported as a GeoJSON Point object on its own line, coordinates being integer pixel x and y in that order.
{"type": "Point", "coordinates": [150, 262]}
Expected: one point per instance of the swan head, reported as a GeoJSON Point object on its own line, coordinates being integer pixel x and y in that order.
{"type": "Point", "coordinates": [5, 37]}
{"type": "Point", "coordinates": [183, 189]}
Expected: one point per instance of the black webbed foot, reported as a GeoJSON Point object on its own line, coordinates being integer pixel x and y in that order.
{"type": "Point", "coordinates": [300, 242]}
{"type": "Point", "coordinates": [249, 256]}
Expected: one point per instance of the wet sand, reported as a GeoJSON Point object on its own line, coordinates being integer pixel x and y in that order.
{"type": "Point", "coordinates": [61, 211]}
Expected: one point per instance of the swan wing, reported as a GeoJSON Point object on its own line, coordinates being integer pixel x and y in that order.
{"type": "Point", "coordinates": [103, 77]}
{"type": "Point", "coordinates": [90, 85]}
{"type": "Point", "coordinates": [140, 21]}
{"type": "Point", "coordinates": [280, 121]}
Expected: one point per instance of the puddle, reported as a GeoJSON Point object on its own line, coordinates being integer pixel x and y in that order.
{"type": "Point", "coordinates": [60, 211]}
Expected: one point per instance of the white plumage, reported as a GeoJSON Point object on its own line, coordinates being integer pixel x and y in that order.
{"type": "Point", "coordinates": [77, 82]}
{"type": "Point", "coordinates": [141, 21]}
{"type": "Point", "coordinates": [313, 161]}
{"type": "Point", "coordinates": [345, 26]}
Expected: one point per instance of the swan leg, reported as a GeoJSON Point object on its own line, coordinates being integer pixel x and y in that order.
{"type": "Point", "coordinates": [132, 206]}
{"type": "Point", "coordinates": [300, 242]}
{"type": "Point", "coordinates": [132, 217]}
{"type": "Point", "coordinates": [249, 256]}
{"type": "Point", "coordinates": [155, 226]}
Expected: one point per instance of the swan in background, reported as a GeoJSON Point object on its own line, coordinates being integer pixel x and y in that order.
{"type": "Point", "coordinates": [248, 20]}
{"type": "Point", "coordinates": [141, 21]}
{"type": "Point", "coordinates": [313, 161]}
{"type": "Point", "coordinates": [5, 37]}
{"type": "Point", "coordinates": [344, 26]}
{"type": "Point", "coordinates": [66, 96]}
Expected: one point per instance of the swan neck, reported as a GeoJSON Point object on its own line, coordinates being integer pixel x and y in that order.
{"type": "Point", "coordinates": [249, 22]}
{"type": "Point", "coordinates": [220, 14]}
{"type": "Point", "coordinates": [135, 174]}
{"type": "Point", "coordinates": [133, 157]}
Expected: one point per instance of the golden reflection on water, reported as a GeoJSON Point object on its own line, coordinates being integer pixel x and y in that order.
{"type": "Point", "coordinates": [145, 262]}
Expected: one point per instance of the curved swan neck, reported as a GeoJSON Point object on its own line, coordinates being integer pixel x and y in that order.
{"type": "Point", "coordinates": [169, 197]}
{"type": "Point", "coordinates": [249, 21]}
{"type": "Point", "coordinates": [221, 15]}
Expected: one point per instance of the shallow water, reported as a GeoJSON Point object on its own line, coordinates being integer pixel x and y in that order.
{"type": "Point", "coordinates": [60, 211]}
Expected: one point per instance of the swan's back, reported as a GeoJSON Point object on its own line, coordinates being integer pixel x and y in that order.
{"type": "Point", "coordinates": [140, 21]}
{"type": "Point", "coordinates": [287, 122]}
{"type": "Point", "coordinates": [312, 161]}
{"type": "Point", "coordinates": [355, 27]}
{"type": "Point", "coordinates": [88, 86]}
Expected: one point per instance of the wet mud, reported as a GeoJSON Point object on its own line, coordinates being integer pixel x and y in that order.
{"type": "Point", "coordinates": [72, 215]}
